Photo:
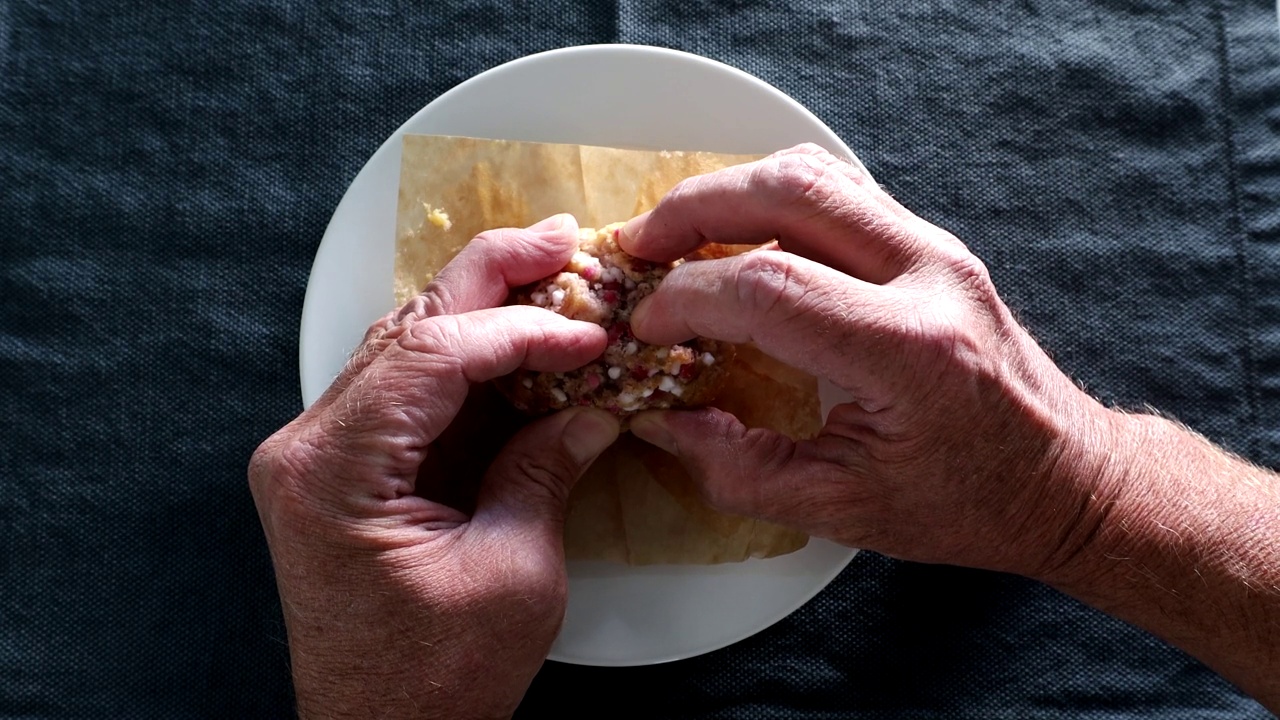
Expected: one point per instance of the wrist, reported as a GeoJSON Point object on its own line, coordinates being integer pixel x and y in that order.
{"type": "Point", "coordinates": [1102, 468]}
{"type": "Point", "coordinates": [1182, 543]}
{"type": "Point", "coordinates": [1167, 504]}
{"type": "Point", "coordinates": [367, 653]}
{"type": "Point", "coordinates": [1062, 454]}
{"type": "Point", "coordinates": [363, 640]}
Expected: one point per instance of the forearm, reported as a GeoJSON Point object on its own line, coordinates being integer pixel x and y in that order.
{"type": "Point", "coordinates": [354, 653]}
{"type": "Point", "coordinates": [1187, 547]}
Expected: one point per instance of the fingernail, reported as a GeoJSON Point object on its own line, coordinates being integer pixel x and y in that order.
{"type": "Point", "coordinates": [551, 224]}
{"type": "Point", "coordinates": [588, 433]}
{"type": "Point", "coordinates": [631, 231]}
{"type": "Point", "coordinates": [649, 427]}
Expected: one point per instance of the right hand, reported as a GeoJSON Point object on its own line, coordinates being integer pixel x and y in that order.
{"type": "Point", "coordinates": [962, 444]}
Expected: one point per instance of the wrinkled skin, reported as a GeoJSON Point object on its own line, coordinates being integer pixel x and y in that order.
{"type": "Point", "coordinates": [400, 603]}
{"type": "Point", "coordinates": [415, 587]}
{"type": "Point", "coordinates": [962, 443]}
{"type": "Point", "coordinates": [961, 436]}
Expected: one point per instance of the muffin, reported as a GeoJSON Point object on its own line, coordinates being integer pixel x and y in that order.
{"type": "Point", "coordinates": [602, 284]}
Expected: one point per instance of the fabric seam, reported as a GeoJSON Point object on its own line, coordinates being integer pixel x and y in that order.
{"type": "Point", "coordinates": [1237, 229]}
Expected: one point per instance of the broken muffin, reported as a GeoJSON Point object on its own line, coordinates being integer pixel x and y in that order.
{"type": "Point", "coordinates": [602, 284]}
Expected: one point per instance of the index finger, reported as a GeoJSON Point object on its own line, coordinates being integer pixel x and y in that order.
{"type": "Point", "coordinates": [480, 276]}
{"type": "Point", "coordinates": [800, 312]}
{"type": "Point", "coordinates": [495, 261]}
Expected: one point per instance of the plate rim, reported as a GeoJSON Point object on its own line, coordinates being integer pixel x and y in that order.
{"type": "Point", "coordinates": [392, 145]}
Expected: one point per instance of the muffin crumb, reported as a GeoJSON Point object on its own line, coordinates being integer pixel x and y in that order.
{"type": "Point", "coordinates": [602, 284]}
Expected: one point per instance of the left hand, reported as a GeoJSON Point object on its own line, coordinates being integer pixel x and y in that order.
{"type": "Point", "coordinates": [398, 604]}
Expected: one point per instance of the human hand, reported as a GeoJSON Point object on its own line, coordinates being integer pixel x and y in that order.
{"type": "Point", "coordinates": [963, 443]}
{"type": "Point", "coordinates": [397, 603]}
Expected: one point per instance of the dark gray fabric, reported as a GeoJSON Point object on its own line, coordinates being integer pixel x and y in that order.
{"type": "Point", "coordinates": [166, 175]}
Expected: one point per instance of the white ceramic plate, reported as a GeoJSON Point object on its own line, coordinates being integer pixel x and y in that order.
{"type": "Point", "coordinates": [620, 95]}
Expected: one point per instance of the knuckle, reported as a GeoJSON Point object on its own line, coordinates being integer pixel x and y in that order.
{"type": "Point", "coordinates": [793, 178]}
{"type": "Point", "coordinates": [947, 334]}
{"type": "Point", "coordinates": [431, 346]}
{"type": "Point", "coordinates": [768, 283]}
{"type": "Point", "coordinates": [835, 165]}
{"type": "Point", "coordinates": [969, 271]}
{"type": "Point", "coordinates": [436, 299]}
{"type": "Point", "coordinates": [433, 336]}
{"type": "Point", "coordinates": [277, 470]}
{"type": "Point", "coordinates": [412, 310]}
{"type": "Point", "coordinates": [382, 325]}
{"type": "Point", "coordinates": [770, 451]}
{"type": "Point", "coordinates": [691, 189]}
{"type": "Point", "coordinates": [807, 148]}
{"type": "Point", "coordinates": [939, 322]}
{"type": "Point", "coordinates": [546, 474]}
{"type": "Point", "coordinates": [945, 252]}
{"type": "Point", "coordinates": [971, 276]}
{"type": "Point", "coordinates": [761, 455]}
{"type": "Point", "coordinates": [262, 466]}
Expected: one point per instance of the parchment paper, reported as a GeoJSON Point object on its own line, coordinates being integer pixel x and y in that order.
{"type": "Point", "coordinates": [636, 504]}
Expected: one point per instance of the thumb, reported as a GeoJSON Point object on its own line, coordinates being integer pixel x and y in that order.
{"type": "Point", "coordinates": [529, 481]}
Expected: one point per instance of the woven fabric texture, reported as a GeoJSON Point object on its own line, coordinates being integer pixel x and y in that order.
{"type": "Point", "coordinates": [166, 175]}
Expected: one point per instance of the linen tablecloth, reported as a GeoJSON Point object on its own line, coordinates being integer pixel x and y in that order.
{"type": "Point", "coordinates": [166, 175]}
